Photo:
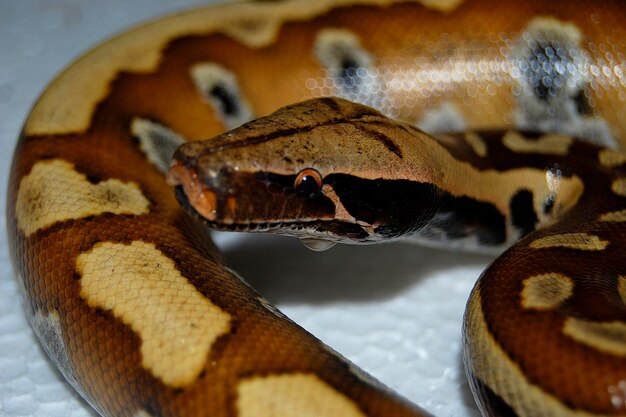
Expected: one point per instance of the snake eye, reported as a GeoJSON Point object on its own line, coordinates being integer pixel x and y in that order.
{"type": "Point", "coordinates": [308, 183]}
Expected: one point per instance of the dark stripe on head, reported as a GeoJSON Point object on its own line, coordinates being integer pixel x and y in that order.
{"type": "Point", "coordinates": [332, 104]}
{"type": "Point", "coordinates": [395, 207]}
{"type": "Point", "coordinates": [250, 138]}
{"type": "Point", "coordinates": [384, 139]}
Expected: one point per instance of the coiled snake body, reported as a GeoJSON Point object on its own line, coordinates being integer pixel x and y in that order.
{"type": "Point", "coordinates": [133, 303]}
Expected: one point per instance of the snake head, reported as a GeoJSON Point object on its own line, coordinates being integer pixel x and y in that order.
{"type": "Point", "coordinates": [323, 169]}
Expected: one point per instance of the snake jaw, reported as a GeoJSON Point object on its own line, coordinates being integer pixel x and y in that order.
{"type": "Point", "coordinates": [203, 200]}
{"type": "Point", "coordinates": [219, 211]}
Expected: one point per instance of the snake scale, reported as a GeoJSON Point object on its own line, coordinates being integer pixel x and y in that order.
{"type": "Point", "coordinates": [132, 301]}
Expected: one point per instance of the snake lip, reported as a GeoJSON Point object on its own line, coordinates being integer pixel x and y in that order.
{"type": "Point", "coordinates": [211, 221]}
{"type": "Point", "coordinates": [198, 197]}
{"type": "Point", "coordinates": [317, 229]}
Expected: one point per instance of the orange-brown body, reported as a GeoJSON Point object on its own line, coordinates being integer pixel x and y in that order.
{"type": "Point", "coordinates": [94, 228]}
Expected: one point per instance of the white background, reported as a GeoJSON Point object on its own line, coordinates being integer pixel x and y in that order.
{"type": "Point", "coordinates": [395, 310]}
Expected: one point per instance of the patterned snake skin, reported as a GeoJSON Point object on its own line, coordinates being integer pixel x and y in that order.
{"type": "Point", "coordinates": [134, 304]}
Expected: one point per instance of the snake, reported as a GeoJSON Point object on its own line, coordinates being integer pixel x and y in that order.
{"type": "Point", "coordinates": [318, 113]}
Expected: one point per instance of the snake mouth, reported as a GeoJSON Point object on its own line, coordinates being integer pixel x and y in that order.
{"type": "Point", "coordinates": [216, 206]}
{"type": "Point", "coordinates": [208, 215]}
{"type": "Point", "coordinates": [331, 230]}
{"type": "Point", "coordinates": [191, 193]}
{"type": "Point", "coordinates": [210, 206]}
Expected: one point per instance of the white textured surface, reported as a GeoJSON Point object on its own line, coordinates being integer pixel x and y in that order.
{"type": "Point", "coordinates": [395, 309]}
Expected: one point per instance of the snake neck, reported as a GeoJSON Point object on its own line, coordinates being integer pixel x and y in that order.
{"type": "Point", "coordinates": [489, 193]}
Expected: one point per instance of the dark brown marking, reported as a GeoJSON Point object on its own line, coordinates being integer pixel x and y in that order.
{"type": "Point", "coordinates": [522, 212]}
{"type": "Point", "coordinates": [384, 139]}
{"type": "Point", "coordinates": [249, 138]}
{"type": "Point", "coordinates": [332, 104]}
{"type": "Point", "coordinates": [491, 402]}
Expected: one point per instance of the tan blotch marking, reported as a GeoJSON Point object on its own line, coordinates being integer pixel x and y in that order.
{"type": "Point", "coordinates": [618, 394]}
{"type": "Point", "coordinates": [560, 113]}
{"type": "Point", "coordinates": [49, 331]}
{"type": "Point", "coordinates": [609, 337]}
{"type": "Point", "coordinates": [333, 48]}
{"type": "Point", "coordinates": [295, 395]}
{"type": "Point", "coordinates": [546, 291]}
{"type": "Point", "coordinates": [156, 141]}
{"type": "Point", "coordinates": [443, 118]}
{"type": "Point", "coordinates": [549, 144]}
{"type": "Point", "coordinates": [611, 158]}
{"type": "Point", "coordinates": [477, 143]}
{"type": "Point", "coordinates": [494, 367]}
{"type": "Point", "coordinates": [209, 75]}
{"type": "Point", "coordinates": [142, 287]}
{"type": "Point", "coordinates": [614, 216]}
{"type": "Point", "coordinates": [547, 27]}
{"type": "Point", "coordinates": [54, 192]}
{"type": "Point", "coordinates": [498, 187]}
{"type": "Point", "coordinates": [142, 413]}
{"type": "Point", "coordinates": [619, 187]}
{"type": "Point", "coordinates": [333, 45]}
{"type": "Point", "coordinates": [67, 105]}
{"type": "Point", "coordinates": [621, 287]}
{"type": "Point", "coordinates": [580, 241]}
